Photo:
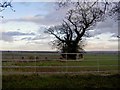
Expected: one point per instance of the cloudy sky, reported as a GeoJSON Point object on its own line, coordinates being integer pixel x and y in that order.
{"type": "Point", "coordinates": [24, 29]}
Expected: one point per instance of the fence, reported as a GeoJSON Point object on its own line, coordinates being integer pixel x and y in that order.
{"type": "Point", "coordinates": [26, 63]}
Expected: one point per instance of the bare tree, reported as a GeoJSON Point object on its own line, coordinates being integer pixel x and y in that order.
{"type": "Point", "coordinates": [6, 4]}
{"type": "Point", "coordinates": [74, 27]}
{"type": "Point", "coordinates": [115, 11]}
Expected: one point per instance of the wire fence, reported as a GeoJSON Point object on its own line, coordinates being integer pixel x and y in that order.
{"type": "Point", "coordinates": [26, 63]}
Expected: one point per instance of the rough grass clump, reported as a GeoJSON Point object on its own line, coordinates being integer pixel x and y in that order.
{"type": "Point", "coordinates": [65, 81]}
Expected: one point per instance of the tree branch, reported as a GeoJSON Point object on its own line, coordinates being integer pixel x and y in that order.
{"type": "Point", "coordinates": [50, 31]}
{"type": "Point", "coordinates": [70, 30]}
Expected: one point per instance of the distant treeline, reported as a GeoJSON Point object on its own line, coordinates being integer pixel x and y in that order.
{"type": "Point", "coordinates": [89, 52]}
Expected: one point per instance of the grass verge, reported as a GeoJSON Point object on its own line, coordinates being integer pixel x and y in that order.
{"type": "Point", "coordinates": [65, 81]}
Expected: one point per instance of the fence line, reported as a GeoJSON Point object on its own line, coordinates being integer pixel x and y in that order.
{"type": "Point", "coordinates": [16, 60]}
{"type": "Point", "coordinates": [52, 66]}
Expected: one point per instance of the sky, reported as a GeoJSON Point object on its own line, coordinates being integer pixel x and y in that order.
{"type": "Point", "coordinates": [24, 28]}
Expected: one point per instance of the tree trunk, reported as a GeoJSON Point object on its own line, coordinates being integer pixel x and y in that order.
{"type": "Point", "coordinates": [70, 50]}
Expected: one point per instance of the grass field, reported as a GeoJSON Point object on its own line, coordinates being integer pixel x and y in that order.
{"type": "Point", "coordinates": [91, 62]}
{"type": "Point", "coordinates": [60, 81]}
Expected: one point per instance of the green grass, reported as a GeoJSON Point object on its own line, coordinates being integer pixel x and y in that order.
{"type": "Point", "coordinates": [64, 81]}
{"type": "Point", "coordinates": [89, 63]}
{"type": "Point", "coordinates": [88, 60]}
{"type": "Point", "coordinates": [60, 81]}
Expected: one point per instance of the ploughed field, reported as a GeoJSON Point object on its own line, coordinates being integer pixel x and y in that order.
{"type": "Point", "coordinates": [52, 63]}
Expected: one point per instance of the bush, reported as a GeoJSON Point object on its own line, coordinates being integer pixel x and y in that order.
{"type": "Point", "coordinates": [31, 57]}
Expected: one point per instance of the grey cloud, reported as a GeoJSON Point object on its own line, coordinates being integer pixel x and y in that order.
{"type": "Point", "coordinates": [16, 33]}
{"type": "Point", "coordinates": [54, 17]}
{"type": "Point", "coordinates": [51, 19]}
{"type": "Point", "coordinates": [33, 38]}
{"type": "Point", "coordinates": [27, 38]}
{"type": "Point", "coordinates": [8, 36]}
{"type": "Point", "coordinates": [48, 20]}
{"type": "Point", "coordinates": [12, 35]}
{"type": "Point", "coordinates": [37, 37]}
{"type": "Point", "coordinates": [108, 25]}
